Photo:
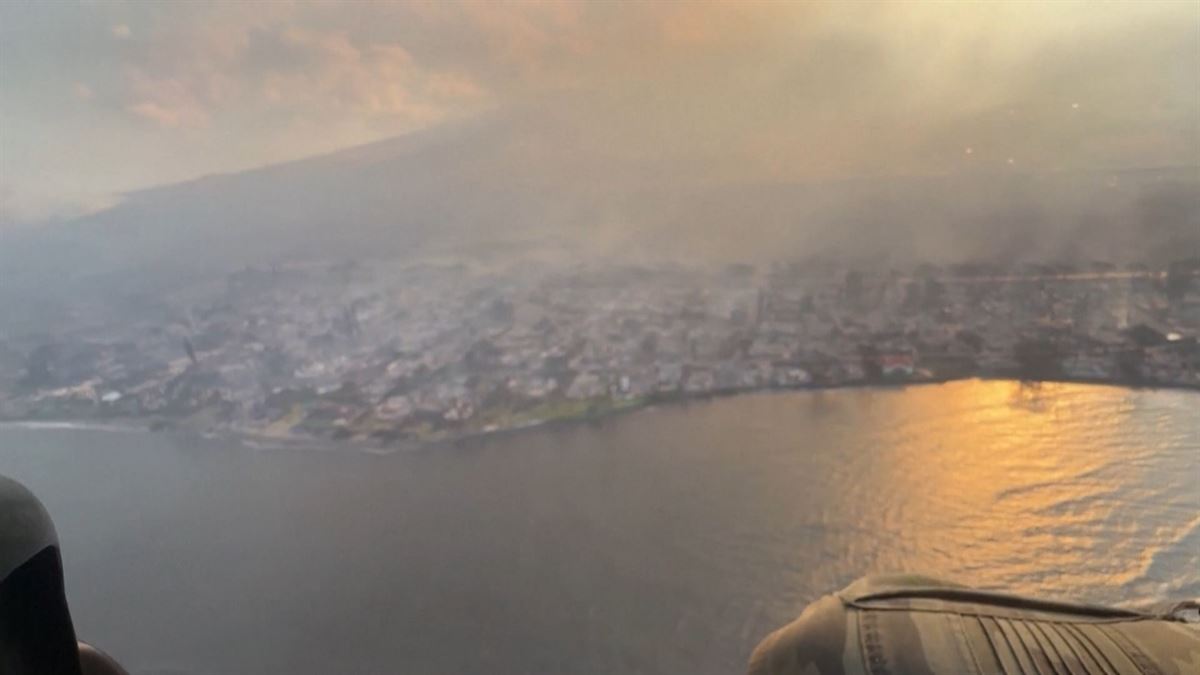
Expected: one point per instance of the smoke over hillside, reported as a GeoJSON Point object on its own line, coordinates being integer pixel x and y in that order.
{"type": "Point", "coordinates": [525, 179]}
{"type": "Point", "coordinates": [726, 132]}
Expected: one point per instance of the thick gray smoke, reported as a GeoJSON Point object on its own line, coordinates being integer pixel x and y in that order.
{"type": "Point", "coordinates": [699, 132]}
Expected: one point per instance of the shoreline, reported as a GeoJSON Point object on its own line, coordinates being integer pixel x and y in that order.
{"type": "Point", "coordinates": [257, 440]}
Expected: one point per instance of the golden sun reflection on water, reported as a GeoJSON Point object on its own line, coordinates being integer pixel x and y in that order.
{"type": "Point", "coordinates": [1028, 487]}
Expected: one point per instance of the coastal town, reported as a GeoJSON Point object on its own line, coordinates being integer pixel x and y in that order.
{"type": "Point", "coordinates": [385, 352]}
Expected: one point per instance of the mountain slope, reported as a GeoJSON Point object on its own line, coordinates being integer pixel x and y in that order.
{"type": "Point", "coordinates": [519, 179]}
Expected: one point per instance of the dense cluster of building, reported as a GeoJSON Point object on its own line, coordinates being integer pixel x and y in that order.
{"type": "Point", "coordinates": [392, 351]}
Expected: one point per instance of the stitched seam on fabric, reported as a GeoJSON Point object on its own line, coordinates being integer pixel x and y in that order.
{"type": "Point", "coordinates": [1015, 613]}
{"type": "Point", "coordinates": [1066, 640]}
{"type": "Point", "coordinates": [1053, 654]}
{"type": "Point", "coordinates": [872, 643]}
{"type": "Point", "coordinates": [1000, 654]}
{"type": "Point", "coordinates": [1098, 654]}
{"type": "Point", "coordinates": [992, 645]}
{"type": "Point", "coordinates": [964, 646]}
{"type": "Point", "coordinates": [1094, 664]}
{"type": "Point", "coordinates": [1014, 641]}
{"type": "Point", "coordinates": [1139, 658]}
{"type": "Point", "coordinates": [1036, 653]}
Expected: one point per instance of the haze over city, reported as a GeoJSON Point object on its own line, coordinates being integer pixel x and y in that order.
{"type": "Point", "coordinates": [462, 199]}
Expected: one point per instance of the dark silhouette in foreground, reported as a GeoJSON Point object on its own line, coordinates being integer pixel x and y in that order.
{"type": "Point", "coordinates": [36, 633]}
{"type": "Point", "coordinates": [912, 625]}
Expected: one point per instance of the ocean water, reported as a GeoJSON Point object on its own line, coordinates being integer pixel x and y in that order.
{"type": "Point", "coordinates": [667, 540]}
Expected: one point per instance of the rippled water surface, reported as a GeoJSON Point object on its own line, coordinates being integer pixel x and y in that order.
{"type": "Point", "coordinates": [664, 541]}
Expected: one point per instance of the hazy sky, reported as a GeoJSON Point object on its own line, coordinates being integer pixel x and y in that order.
{"type": "Point", "coordinates": [97, 98]}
